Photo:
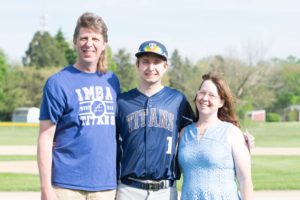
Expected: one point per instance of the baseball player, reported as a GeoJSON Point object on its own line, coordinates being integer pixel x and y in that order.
{"type": "Point", "coordinates": [148, 121]}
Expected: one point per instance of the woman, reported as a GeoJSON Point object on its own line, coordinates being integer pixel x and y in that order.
{"type": "Point", "coordinates": [212, 151]}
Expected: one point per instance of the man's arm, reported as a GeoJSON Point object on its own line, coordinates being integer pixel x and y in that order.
{"type": "Point", "coordinates": [44, 156]}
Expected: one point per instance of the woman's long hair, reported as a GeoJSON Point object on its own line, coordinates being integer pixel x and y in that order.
{"type": "Point", "coordinates": [227, 112]}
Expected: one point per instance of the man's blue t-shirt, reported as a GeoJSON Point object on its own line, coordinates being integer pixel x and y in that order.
{"type": "Point", "coordinates": [83, 107]}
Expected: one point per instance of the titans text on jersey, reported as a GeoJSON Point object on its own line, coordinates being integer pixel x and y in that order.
{"type": "Point", "coordinates": [160, 119]}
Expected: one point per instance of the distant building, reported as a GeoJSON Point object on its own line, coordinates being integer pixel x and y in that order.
{"type": "Point", "coordinates": [292, 113]}
{"type": "Point", "coordinates": [26, 114]}
{"type": "Point", "coordinates": [257, 115]}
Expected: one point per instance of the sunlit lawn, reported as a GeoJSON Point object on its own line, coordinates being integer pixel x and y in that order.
{"type": "Point", "coordinates": [18, 135]}
{"type": "Point", "coordinates": [274, 173]}
{"type": "Point", "coordinates": [269, 172]}
{"type": "Point", "coordinates": [280, 134]}
{"type": "Point", "coordinates": [17, 157]}
{"type": "Point", "coordinates": [19, 182]}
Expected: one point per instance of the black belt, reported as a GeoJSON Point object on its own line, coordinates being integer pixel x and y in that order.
{"type": "Point", "coordinates": [162, 184]}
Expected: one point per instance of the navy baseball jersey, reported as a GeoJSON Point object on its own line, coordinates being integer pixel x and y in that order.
{"type": "Point", "coordinates": [148, 130]}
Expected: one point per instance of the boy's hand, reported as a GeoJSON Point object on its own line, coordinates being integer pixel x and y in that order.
{"type": "Point", "coordinates": [250, 140]}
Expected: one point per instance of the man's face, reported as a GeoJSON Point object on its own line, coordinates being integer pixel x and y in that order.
{"type": "Point", "coordinates": [151, 68]}
{"type": "Point", "coordinates": [89, 45]}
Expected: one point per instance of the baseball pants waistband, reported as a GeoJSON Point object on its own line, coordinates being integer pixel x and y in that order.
{"type": "Point", "coordinates": [153, 185]}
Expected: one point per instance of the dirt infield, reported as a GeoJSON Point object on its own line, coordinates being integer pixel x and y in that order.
{"type": "Point", "coordinates": [258, 195]}
{"type": "Point", "coordinates": [18, 150]}
{"type": "Point", "coordinates": [31, 150]}
{"type": "Point", "coordinates": [31, 167]}
{"type": "Point", "coordinates": [276, 151]}
{"type": "Point", "coordinates": [20, 195]}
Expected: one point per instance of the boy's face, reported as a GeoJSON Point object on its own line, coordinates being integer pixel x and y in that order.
{"type": "Point", "coordinates": [151, 68]}
{"type": "Point", "coordinates": [89, 45]}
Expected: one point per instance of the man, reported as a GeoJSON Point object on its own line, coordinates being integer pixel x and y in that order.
{"type": "Point", "coordinates": [148, 121]}
{"type": "Point", "coordinates": [76, 144]}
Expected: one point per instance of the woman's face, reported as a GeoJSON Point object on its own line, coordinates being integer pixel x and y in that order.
{"type": "Point", "coordinates": [208, 100]}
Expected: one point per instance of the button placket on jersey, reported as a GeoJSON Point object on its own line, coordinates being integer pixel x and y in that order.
{"type": "Point", "coordinates": [147, 129]}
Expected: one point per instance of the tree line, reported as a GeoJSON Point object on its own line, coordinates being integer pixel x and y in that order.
{"type": "Point", "coordinates": [271, 85]}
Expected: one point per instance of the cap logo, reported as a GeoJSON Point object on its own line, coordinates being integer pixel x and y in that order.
{"type": "Point", "coordinates": [152, 45]}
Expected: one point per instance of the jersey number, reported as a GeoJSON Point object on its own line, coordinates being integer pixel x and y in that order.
{"type": "Point", "coordinates": [169, 139]}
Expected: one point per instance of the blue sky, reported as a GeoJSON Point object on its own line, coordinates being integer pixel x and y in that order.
{"type": "Point", "coordinates": [197, 28]}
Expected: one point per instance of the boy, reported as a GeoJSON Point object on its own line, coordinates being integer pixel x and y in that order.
{"type": "Point", "coordinates": [148, 121]}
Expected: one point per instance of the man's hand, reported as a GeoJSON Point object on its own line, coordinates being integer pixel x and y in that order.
{"type": "Point", "coordinates": [48, 194]}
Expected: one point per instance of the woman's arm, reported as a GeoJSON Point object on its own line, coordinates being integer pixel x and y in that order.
{"type": "Point", "coordinates": [242, 161]}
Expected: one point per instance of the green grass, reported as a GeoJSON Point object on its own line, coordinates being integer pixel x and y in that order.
{"type": "Point", "coordinates": [268, 172]}
{"type": "Point", "coordinates": [280, 134]}
{"type": "Point", "coordinates": [18, 135]}
{"type": "Point", "coordinates": [19, 182]}
{"type": "Point", "coordinates": [273, 173]}
{"type": "Point", "coordinates": [276, 172]}
{"type": "Point", "coordinates": [17, 157]}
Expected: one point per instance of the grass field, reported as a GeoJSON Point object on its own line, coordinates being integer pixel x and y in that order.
{"type": "Point", "coordinates": [281, 134]}
{"type": "Point", "coordinates": [17, 157]}
{"type": "Point", "coordinates": [18, 135]}
{"type": "Point", "coordinates": [19, 182]}
{"type": "Point", "coordinates": [274, 173]}
{"type": "Point", "coordinates": [268, 172]}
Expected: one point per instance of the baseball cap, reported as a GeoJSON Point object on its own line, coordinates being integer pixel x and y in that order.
{"type": "Point", "coordinates": [153, 47]}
